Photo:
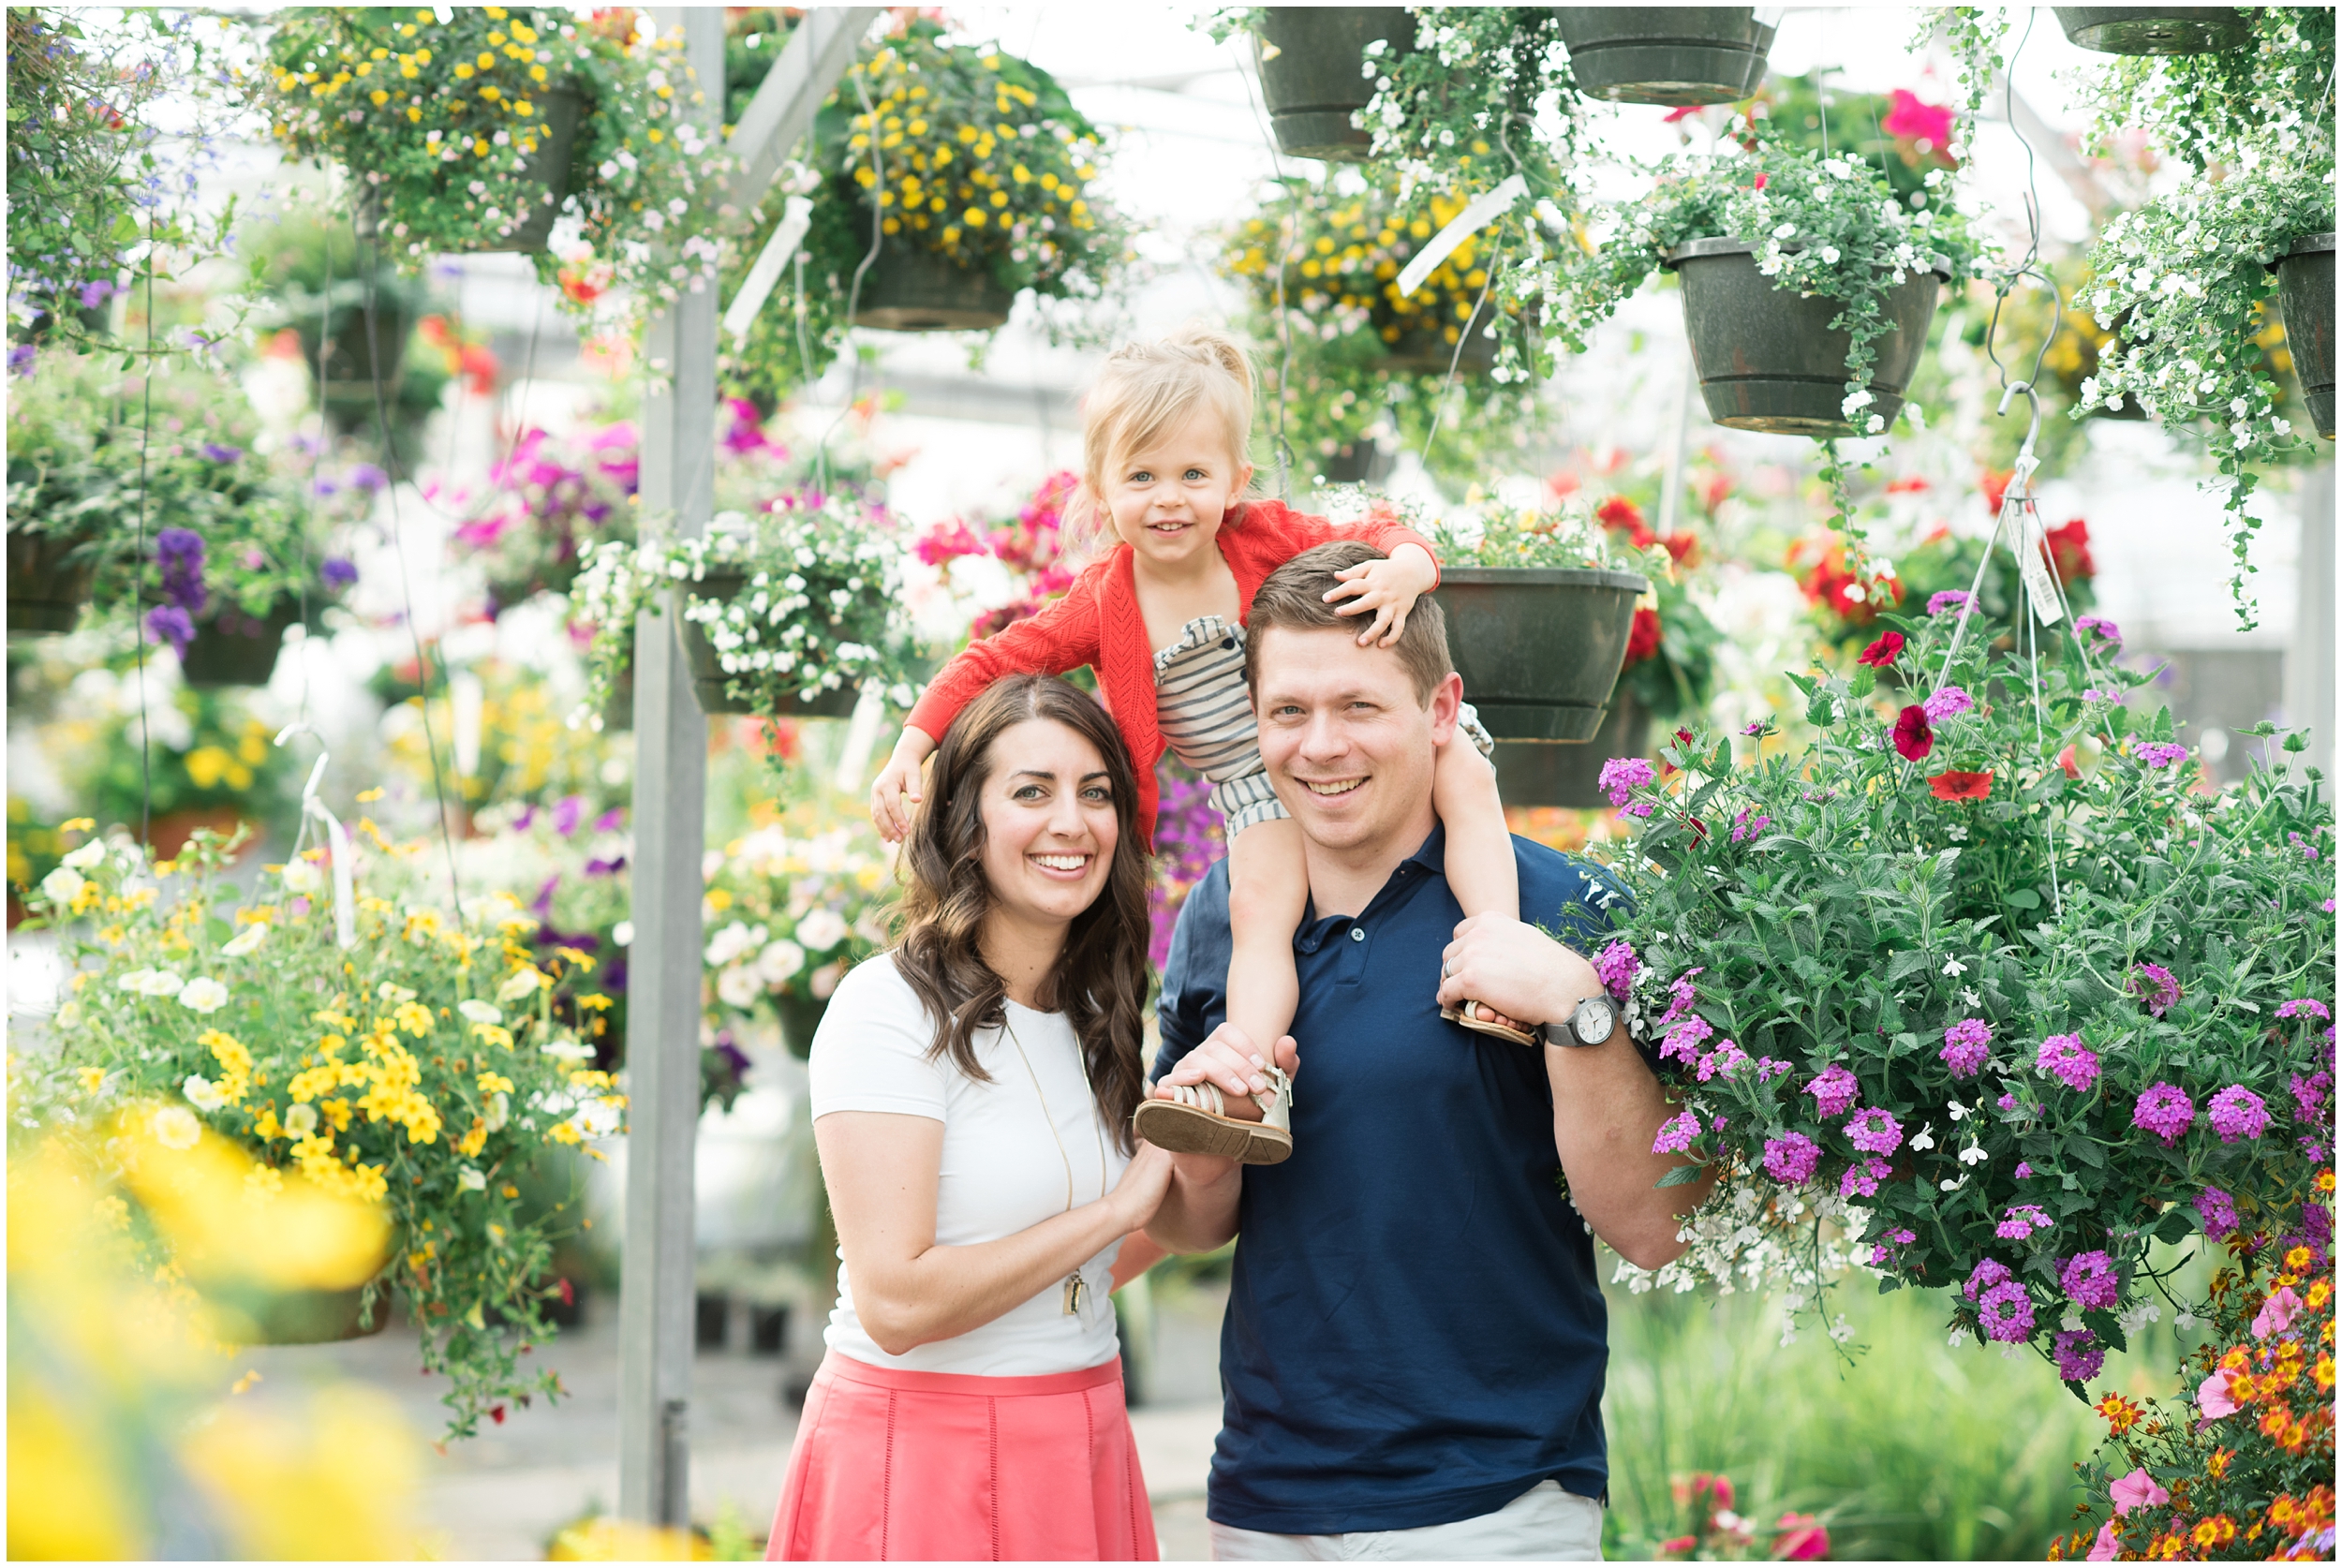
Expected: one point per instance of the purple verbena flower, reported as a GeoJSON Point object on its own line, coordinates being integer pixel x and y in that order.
{"type": "Point", "coordinates": [2310, 850]}
{"type": "Point", "coordinates": [337, 574]}
{"type": "Point", "coordinates": [2304, 1007]}
{"type": "Point", "coordinates": [1950, 599]}
{"type": "Point", "coordinates": [1722, 1059]}
{"type": "Point", "coordinates": [1681, 994]}
{"type": "Point", "coordinates": [1948, 702]}
{"type": "Point", "coordinates": [2309, 1096]}
{"type": "Point", "coordinates": [2064, 1057]}
{"type": "Point", "coordinates": [1989, 1272]}
{"type": "Point", "coordinates": [2024, 1169]}
{"type": "Point", "coordinates": [1862, 1179]}
{"type": "Point", "coordinates": [2006, 1102]}
{"type": "Point", "coordinates": [1620, 775]}
{"type": "Point", "coordinates": [1676, 1133]}
{"type": "Point", "coordinates": [2156, 985]}
{"type": "Point", "coordinates": [1637, 809]}
{"type": "Point", "coordinates": [2159, 754]}
{"type": "Point", "coordinates": [1835, 1090]}
{"type": "Point", "coordinates": [366, 477]}
{"type": "Point", "coordinates": [1617, 967]}
{"type": "Point", "coordinates": [1873, 1131]}
{"type": "Point", "coordinates": [215, 453]}
{"type": "Point", "coordinates": [2101, 626]}
{"type": "Point", "coordinates": [20, 358]}
{"type": "Point", "coordinates": [1790, 1159]}
{"type": "Point", "coordinates": [2165, 1111]}
{"type": "Point", "coordinates": [2090, 1280]}
{"type": "Point", "coordinates": [2078, 1354]}
{"type": "Point", "coordinates": [1684, 1040]}
{"type": "Point", "coordinates": [2006, 1314]}
{"type": "Point", "coordinates": [167, 623]}
{"type": "Point", "coordinates": [1769, 1068]}
{"type": "Point", "coordinates": [2237, 1113]}
{"type": "Point", "coordinates": [179, 557]}
{"type": "Point", "coordinates": [1966, 1044]}
{"type": "Point", "coordinates": [2021, 1221]}
{"type": "Point", "coordinates": [2218, 1212]}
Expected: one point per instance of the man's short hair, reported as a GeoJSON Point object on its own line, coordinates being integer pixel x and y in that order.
{"type": "Point", "coordinates": [1295, 597]}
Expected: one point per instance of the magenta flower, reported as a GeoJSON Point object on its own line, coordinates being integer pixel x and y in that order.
{"type": "Point", "coordinates": [1790, 1159]}
{"type": "Point", "coordinates": [2160, 754]}
{"type": "Point", "coordinates": [2306, 1006]}
{"type": "Point", "coordinates": [1637, 809]}
{"type": "Point", "coordinates": [1722, 1059]}
{"type": "Point", "coordinates": [2165, 1111]}
{"type": "Point", "coordinates": [1835, 1090]}
{"type": "Point", "coordinates": [1873, 1131]}
{"type": "Point", "coordinates": [2006, 1314]}
{"type": "Point", "coordinates": [2218, 1212]}
{"type": "Point", "coordinates": [1744, 827]}
{"type": "Point", "coordinates": [2236, 1112]}
{"type": "Point", "coordinates": [1861, 1180]}
{"type": "Point", "coordinates": [2021, 1221]}
{"type": "Point", "coordinates": [2024, 1169]}
{"type": "Point", "coordinates": [2089, 1279]}
{"type": "Point", "coordinates": [2156, 985]}
{"type": "Point", "coordinates": [1617, 966]}
{"type": "Point", "coordinates": [1769, 1068]}
{"type": "Point", "coordinates": [2100, 626]}
{"type": "Point", "coordinates": [1914, 737]}
{"type": "Point", "coordinates": [2277, 1313]}
{"type": "Point", "coordinates": [1681, 994]}
{"type": "Point", "coordinates": [1913, 117]}
{"type": "Point", "coordinates": [2309, 1095]}
{"type": "Point", "coordinates": [1948, 701]}
{"type": "Point", "coordinates": [1684, 1040]}
{"type": "Point", "coordinates": [1620, 775]}
{"type": "Point", "coordinates": [2214, 1396]}
{"type": "Point", "coordinates": [1966, 1044]}
{"type": "Point", "coordinates": [1989, 1272]}
{"type": "Point", "coordinates": [2137, 1490]}
{"type": "Point", "coordinates": [1676, 1133]}
{"type": "Point", "coordinates": [2078, 1355]}
{"type": "Point", "coordinates": [2064, 1057]}
{"type": "Point", "coordinates": [1950, 599]}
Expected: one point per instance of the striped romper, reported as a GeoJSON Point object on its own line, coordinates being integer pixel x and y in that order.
{"type": "Point", "coordinates": [1205, 714]}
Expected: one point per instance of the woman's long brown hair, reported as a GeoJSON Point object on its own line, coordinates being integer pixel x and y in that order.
{"type": "Point", "coordinates": [1100, 981]}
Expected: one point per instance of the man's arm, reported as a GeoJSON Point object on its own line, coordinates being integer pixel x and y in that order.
{"type": "Point", "coordinates": [1607, 1107]}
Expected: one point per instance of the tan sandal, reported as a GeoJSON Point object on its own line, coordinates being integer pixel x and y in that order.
{"type": "Point", "coordinates": [1198, 1122]}
{"type": "Point", "coordinates": [1467, 1017]}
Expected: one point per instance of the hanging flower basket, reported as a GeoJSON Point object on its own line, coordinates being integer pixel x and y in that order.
{"type": "Point", "coordinates": [302, 1317]}
{"type": "Point", "coordinates": [548, 170]}
{"type": "Point", "coordinates": [800, 1016]}
{"type": "Point", "coordinates": [1769, 360]}
{"type": "Point", "coordinates": [708, 680]}
{"type": "Point", "coordinates": [2306, 292]}
{"type": "Point", "coordinates": [1363, 461]}
{"type": "Point", "coordinates": [1548, 772]}
{"type": "Point", "coordinates": [913, 290]}
{"type": "Point", "coordinates": [1675, 56]}
{"type": "Point", "coordinates": [1539, 648]}
{"type": "Point", "coordinates": [2156, 29]}
{"type": "Point", "coordinates": [1313, 74]}
{"type": "Point", "coordinates": [235, 649]}
{"type": "Point", "coordinates": [47, 585]}
{"type": "Point", "coordinates": [1430, 349]}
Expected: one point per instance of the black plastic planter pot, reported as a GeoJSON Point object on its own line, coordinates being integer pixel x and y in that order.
{"type": "Point", "coordinates": [1313, 74]}
{"type": "Point", "coordinates": [1549, 773]}
{"type": "Point", "coordinates": [1539, 648]}
{"type": "Point", "coordinates": [913, 290]}
{"type": "Point", "coordinates": [1430, 351]}
{"type": "Point", "coordinates": [2155, 29]}
{"type": "Point", "coordinates": [2306, 293]}
{"type": "Point", "coordinates": [1362, 462]}
{"type": "Point", "coordinates": [1675, 56]}
{"type": "Point", "coordinates": [561, 109]}
{"type": "Point", "coordinates": [1767, 357]}
{"type": "Point", "coordinates": [233, 649]}
{"type": "Point", "coordinates": [354, 358]}
{"type": "Point", "coordinates": [707, 671]}
{"type": "Point", "coordinates": [45, 591]}
{"type": "Point", "coordinates": [800, 1017]}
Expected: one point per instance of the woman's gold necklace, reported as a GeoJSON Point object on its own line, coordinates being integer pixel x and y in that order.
{"type": "Point", "coordinates": [1076, 1288]}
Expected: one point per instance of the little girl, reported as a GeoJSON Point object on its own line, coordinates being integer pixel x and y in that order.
{"type": "Point", "coordinates": [1160, 617]}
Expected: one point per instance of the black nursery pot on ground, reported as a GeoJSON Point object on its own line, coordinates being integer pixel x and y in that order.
{"type": "Point", "coordinates": [1767, 357]}
{"type": "Point", "coordinates": [234, 649]}
{"type": "Point", "coordinates": [47, 587]}
{"type": "Point", "coordinates": [1549, 773]}
{"type": "Point", "coordinates": [2155, 29]}
{"type": "Point", "coordinates": [1313, 74]}
{"type": "Point", "coordinates": [1539, 647]}
{"type": "Point", "coordinates": [707, 670]}
{"type": "Point", "coordinates": [913, 290]}
{"type": "Point", "coordinates": [2306, 293]}
{"type": "Point", "coordinates": [1677, 55]}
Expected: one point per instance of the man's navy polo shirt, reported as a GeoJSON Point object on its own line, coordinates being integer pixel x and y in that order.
{"type": "Point", "coordinates": [1414, 1332]}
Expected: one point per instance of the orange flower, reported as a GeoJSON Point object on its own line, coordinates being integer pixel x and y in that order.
{"type": "Point", "coordinates": [2121, 1415]}
{"type": "Point", "coordinates": [1960, 786]}
{"type": "Point", "coordinates": [2215, 1532]}
{"type": "Point", "coordinates": [2324, 1183]}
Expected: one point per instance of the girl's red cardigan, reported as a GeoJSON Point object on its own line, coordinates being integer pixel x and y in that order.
{"type": "Point", "coordinates": [1097, 623]}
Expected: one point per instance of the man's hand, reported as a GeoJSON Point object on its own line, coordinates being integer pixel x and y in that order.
{"type": "Point", "coordinates": [1199, 1212]}
{"type": "Point", "coordinates": [1227, 1057]}
{"type": "Point", "coordinates": [1515, 968]}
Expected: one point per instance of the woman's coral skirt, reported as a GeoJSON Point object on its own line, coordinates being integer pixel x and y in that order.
{"type": "Point", "coordinates": [929, 1466]}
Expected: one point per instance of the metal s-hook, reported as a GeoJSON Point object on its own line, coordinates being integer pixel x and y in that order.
{"type": "Point", "coordinates": [2027, 462]}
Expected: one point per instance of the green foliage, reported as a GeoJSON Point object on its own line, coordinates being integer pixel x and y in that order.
{"type": "Point", "coordinates": [1797, 111]}
{"type": "Point", "coordinates": [1485, 93]}
{"type": "Point", "coordinates": [2232, 108]}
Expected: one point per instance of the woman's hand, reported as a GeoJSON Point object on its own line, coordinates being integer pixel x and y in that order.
{"type": "Point", "coordinates": [1388, 588]}
{"type": "Point", "coordinates": [1140, 1193]}
{"type": "Point", "coordinates": [897, 786]}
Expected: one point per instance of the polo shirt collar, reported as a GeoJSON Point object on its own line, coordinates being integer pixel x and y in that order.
{"type": "Point", "coordinates": [1431, 859]}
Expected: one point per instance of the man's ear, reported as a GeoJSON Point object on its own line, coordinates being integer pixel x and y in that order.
{"type": "Point", "coordinates": [1445, 703]}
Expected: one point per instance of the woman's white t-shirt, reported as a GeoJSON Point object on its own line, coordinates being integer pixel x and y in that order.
{"type": "Point", "coordinates": [1002, 1172]}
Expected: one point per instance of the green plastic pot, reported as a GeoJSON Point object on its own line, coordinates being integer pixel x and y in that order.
{"type": "Point", "coordinates": [2305, 294]}
{"type": "Point", "coordinates": [298, 1317]}
{"type": "Point", "coordinates": [908, 289]}
{"type": "Point", "coordinates": [707, 671]}
{"type": "Point", "coordinates": [1769, 359]}
{"type": "Point", "coordinates": [1539, 647]}
{"type": "Point", "coordinates": [1312, 75]}
{"type": "Point", "coordinates": [1675, 56]}
{"type": "Point", "coordinates": [233, 649]}
{"type": "Point", "coordinates": [2155, 29]}
{"type": "Point", "coordinates": [1555, 772]}
{"type": "Point", "coordinates": [46, 588]}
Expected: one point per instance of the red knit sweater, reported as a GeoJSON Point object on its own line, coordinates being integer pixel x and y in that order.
{"type": "Point", "coordinates": [1098, 623]}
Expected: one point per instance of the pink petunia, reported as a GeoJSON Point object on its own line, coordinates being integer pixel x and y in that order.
{"type": "Point", "coordinates": [2137, 1490]}
{"type": "Point", "coordinates": [2212, 1397]}
{"type": "Point", "coordinates": [2277, 1313]}
{"type": "Point", "coordinates": [2104, 1547]}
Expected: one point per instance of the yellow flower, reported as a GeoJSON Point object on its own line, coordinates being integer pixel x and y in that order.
{"type": "Point", "coordinates": [414, 1018]}
{"type": "Point", "coordinates": [463, 73]}
{"type": "Point", "coordinates": [379, 98]}
{"type": "Point", "coordinates": [495, 1034]}
{"type": "Point", "coordinates": [92, 1079]}
{"type": "Point", "coordinates": [495, 1083]}
{"type": "Point", "coordinates": [562, 1133]}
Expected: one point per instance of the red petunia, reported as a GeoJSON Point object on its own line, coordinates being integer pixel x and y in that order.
{"type": "Point", "coordinates": [1643, 639]}
{"type": "Point", "coordinates": [1914, 737]}
{"type": "Point", "coordinates": [1882, 653]}
{"type": "Point", "coordinates": [1622, 516]}
{"type": "Point", "coordinates": [1996, 488]}
{"type": "Point", "coordinates": [1681, 546]}
{"type": "Point", "coordinates": [2071, 765]}
{"type": "Point", "coordinates": [1960, 786]}
{"type": "Point", "coordinates": [2069, 552]}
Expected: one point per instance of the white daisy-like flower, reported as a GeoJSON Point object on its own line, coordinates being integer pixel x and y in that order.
{"type": "Point", "coordinates": [202, 1093]}
{"type": "Point", "coordinates": [245, 940]}
{"type": "Point", "coordinates": [87, 856]}
{"type": "Point", "coordinates": [175, 1127]}
{"type": "Point", "coordinates": [479, 1011]}
{"type": "Point", "coordinates": [63, 885]}
{"type": "Point", "coordinates": [203, 995]}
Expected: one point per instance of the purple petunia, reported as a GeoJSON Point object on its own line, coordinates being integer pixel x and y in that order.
{"type": "Point", "coordinates": [1989, 1272]}
{"type": "Point", "coordinates": [215, 453]}
{"type": "Point", "coordinates": [2089, 1279]}
{"type": "Point", "coordinates": [1948, 701]}
{"type": "Point", "coordinates": [1617, 967]}
{"type": "Point", "coordinates": [1950, 599]}
{"type": "Point", "coordinates": [337, 574]}
{"type": "Point", "coordinates": [1684, 1040]}
{"type": "Point", "coordinates": [1790, 1159]}
{"type": "Point", "coordinates": [178, 558]}
{"type": "Point", "coordinates": [1676, 1133]}
{"type": "Point", "coordinates": [2006, 1314]}
{"type": "Point", "coordinates": [2160, 754]}
{"type": "Point", "coordinates": [2236, 1112]}
{"type": "Point", "coordinates": [1835, 1090]}
{"type": "Point", "coordinates": [2102, 627]}
{"type": "Point", "coordinates": [2304, 1007]}
{"type": "Point", "coordinates": [2064, 1057]}
{"type": "Point", "coordinates": [2079, 1355]}
{"type": "Point", "coordinates": [1966, 1044]}
{"type": "Point", "coordinates": [366, 477]}
{"type": "Point", "coordinates": [1873, 1131]}
{"type": "Point", "coordinates": [2157, 987]}
{"type": "Point", "coordinates": [2218, 1212]}
{"type": "Point", "coordinates": [2165, 1111]}
{"type": "Point", "coordinates": [2021, 1221]}
{"type": "Point", "coordinates": [1861, 1180]}
{"type": "Point", "coordinates": [167, 623]}
{"type": "Point", "coordinates": [1620, 775]}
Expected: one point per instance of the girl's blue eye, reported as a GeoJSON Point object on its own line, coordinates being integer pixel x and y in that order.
{"type": "Point", "coordinates": [1196, 474]}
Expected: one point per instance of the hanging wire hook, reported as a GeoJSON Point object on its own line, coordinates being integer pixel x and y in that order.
{"type": "Point", "coordinates": [337, 847]}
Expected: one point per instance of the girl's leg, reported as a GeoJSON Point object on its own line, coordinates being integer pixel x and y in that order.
{"type": "Point", "coordinates": [1480, 867]}
{"type": "Point", "coordinates": [1268, 889]}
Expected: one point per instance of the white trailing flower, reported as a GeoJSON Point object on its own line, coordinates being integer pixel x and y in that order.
{"type": "Point", "coordinates": [203, 995]}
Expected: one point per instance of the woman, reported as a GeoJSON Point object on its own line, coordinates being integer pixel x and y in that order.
{"type": "Point", "coordinates": [971, 1096]}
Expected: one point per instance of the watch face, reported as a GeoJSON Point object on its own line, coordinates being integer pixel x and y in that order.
{"type": "Point", "coordinates": [1594, 1020]}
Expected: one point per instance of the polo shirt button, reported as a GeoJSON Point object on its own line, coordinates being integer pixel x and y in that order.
{"type": "Point", "coordinates": [1357, 933]}
{"type": "Point", "coordinates": [1227, 641]}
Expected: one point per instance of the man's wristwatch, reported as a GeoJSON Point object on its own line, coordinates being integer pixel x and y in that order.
{"type": "Point", "coordinates": [1591, 1024]}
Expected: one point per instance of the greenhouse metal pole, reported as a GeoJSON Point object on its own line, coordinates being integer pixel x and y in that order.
{"type": "Point", "coordinates": [678, 420]}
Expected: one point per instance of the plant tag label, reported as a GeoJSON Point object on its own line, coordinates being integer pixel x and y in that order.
{"type": "Point", "coordinates": [1483, 210]}
{"type": "Point", "coordinates": [2040, 587]}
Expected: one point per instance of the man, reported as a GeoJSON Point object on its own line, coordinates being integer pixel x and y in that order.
{"type": "Point", "coordinates": [1414, 1352]}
